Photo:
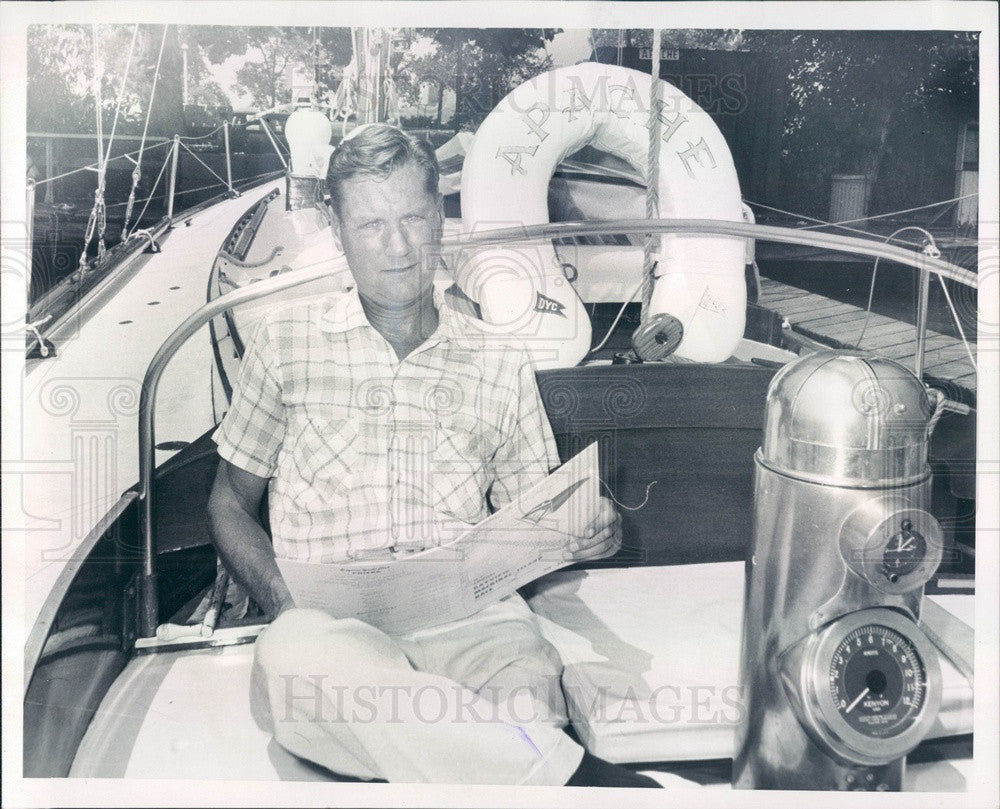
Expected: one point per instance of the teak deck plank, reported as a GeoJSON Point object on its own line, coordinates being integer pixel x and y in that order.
{"type": "Point", "coordinates": [841, 324]}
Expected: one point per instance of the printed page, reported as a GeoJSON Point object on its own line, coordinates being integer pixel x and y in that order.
{"type": "Point", "coordinates": [524, 540]}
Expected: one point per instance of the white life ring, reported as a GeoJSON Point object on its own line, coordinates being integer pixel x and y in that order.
{"type": "Point", "coordinates": [699, 279]}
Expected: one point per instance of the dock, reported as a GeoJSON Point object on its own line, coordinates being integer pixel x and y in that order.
{"type": "Point", "coordinates": [840, 325]}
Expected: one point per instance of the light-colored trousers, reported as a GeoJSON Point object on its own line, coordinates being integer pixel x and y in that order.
{"type": "Point", "coordinates": [472, 701]}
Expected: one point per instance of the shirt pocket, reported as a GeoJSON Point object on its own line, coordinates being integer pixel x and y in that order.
{"type": "Point", "coordinates": [459, 469]}
{"type": "Point", "coordinates": [326, 455]}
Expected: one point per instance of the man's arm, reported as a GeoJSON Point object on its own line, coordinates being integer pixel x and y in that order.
{"type": "Point", "coordinates": [241, 540]}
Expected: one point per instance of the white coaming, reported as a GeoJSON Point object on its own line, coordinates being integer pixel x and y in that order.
{"type": "Point", "coordinates": [79, 418]}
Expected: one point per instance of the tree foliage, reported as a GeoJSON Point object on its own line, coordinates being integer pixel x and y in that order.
{"type": "Point", "coordinates": [866, 102]}
{"type": "Point", "coordinates": [859, 102]}
{"type": "Point", "coordinates": [61, 73]}
{"type": "Point", "coordinates": [272, 53]}
{"type": "Point", "coordinates": [481, 65]}
{"type": "Point", "coordinates": [61, 70]}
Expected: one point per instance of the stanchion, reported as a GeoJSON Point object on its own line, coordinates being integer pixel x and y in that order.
{"type": "Point", "coordinates": [29, 232]}
{"type": "Point", "coordinates": [923, 294]}
{"type": "Point", "coordinates": [173, 176]}
{"type": "Point", "coordinates": [229, 165]}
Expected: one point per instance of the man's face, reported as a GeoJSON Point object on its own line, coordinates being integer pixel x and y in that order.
{"type": "Point", "coordinates": [385, 228]}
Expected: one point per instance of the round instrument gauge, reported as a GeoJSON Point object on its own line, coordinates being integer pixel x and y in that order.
{"type": "Point", "coordinates": [904, 552]}
{"type": "Point", "coordinates": [873, 685]}
{"type": "Point", "coordinates": [893, 545]}
{"type": "Point", "coordinates": [877, 680]}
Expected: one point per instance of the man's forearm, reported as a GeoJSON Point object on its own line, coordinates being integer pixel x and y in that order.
{"type": "Point", "coordinates": [248, 555]}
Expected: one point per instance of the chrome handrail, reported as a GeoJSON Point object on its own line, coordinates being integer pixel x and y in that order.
{"type": "Point", "coordinates": [149, 612]}
{"type": "Point", "coordinates": [769, 233]}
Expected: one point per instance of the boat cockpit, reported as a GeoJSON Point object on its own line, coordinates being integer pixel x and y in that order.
{"type": "Point", "coordinates": [139, 665]}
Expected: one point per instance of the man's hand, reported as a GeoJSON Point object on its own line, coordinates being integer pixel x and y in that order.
{"type": "Point", "coordinates": [280, 596]}
{"type": "Point", "coordinates": [603, 537]}
{"type": "Point", "coordinates": [242, 543]}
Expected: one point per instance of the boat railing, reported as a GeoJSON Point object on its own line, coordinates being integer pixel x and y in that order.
{"type": "Point", "coordinates": [923, 261]}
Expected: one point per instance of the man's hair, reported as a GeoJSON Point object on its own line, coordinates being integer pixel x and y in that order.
{"type": "Point", "coordinates": [375, 151]}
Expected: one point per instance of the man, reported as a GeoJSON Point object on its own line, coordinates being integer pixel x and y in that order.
{"type": "Point", "coordinates": [379, 427]}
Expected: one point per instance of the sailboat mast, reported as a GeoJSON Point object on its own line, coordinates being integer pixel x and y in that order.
{"type": "Point", "coordinates": [371, 52]}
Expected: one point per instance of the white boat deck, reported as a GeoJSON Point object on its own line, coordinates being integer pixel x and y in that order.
{"type": "Point", "coordinates": [194, 714]}
{"type": "Point", "coordinates": [79, 430]}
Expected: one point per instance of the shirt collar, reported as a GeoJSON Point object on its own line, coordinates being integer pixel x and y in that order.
{"type": "Point", "coordinates": [343, 311]}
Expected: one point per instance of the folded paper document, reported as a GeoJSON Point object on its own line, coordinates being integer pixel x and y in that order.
{"type": "Point", "coordinates": [520, 542]}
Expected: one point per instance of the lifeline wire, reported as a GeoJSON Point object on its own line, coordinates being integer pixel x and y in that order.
{"type": "Point", "coordinates": [198, 188]}
{"type": "Point", "coordinates": [896, 213]}
{"type": "Point", "coordinates": [92, 166]}
{"type": "Point", "coordinates": [947, 295]}
{"type": "Point", "coordinates": [820, 221]}
{"type": "Point", "coordinates": [843, 224]}
{"type": "Point", "coordinates": [201, 137]}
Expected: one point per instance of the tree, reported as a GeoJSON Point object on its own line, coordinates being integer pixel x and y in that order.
{"type": "Point", "coordinates": [482, 65]}
{"type": "Point", "coordinates": [61, 70]}
{"type": "Point", "coordinates": [850, 89]}
{"type": "Point", "coordinates": [858, 102]}
{"type": "Point", "coordinates": [713, 39]}
{"type": "Point", "coordinates": [59, 60]}
{"type": "Point", "coordinates": [273, 52]}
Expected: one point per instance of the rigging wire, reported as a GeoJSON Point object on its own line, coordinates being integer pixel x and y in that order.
{"type": "Point", "coordinates": [137, 171]}
{"type": "Point", "coordinates": [97, 221]}
{"type": "Point", "coordinates": [163, 168]}
{"type": "Point", "coordinates": [844, 223]}
{"type": "Point", "coordinates": [958, 324]}
{"type": "Point", "coordinates": [895, 213]}
{"type": "Point", "coordinates": [209, 168]}
{"type": "Point", "coordinates": [316, 70]}
{"type": "Point", "coordinates": [121, 92]}
{"type": "Point", "coordinates": [822, 221]}
{"type": "Point", "coordinates": [618, 317]}
{"type": "Point", "coordinates": [127, 155]}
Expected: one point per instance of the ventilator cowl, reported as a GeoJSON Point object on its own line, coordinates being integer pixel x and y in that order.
{"type": "Point", "coordinates": [847, 419]}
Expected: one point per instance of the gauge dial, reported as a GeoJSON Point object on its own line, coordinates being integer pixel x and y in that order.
{"type": "Point", "coordinates": [877, 680]}
{"type": "Point", "coordinates": [868, 685]}
{"type": "Point", "coordinates": [904, 552]}
{"type": "Point", "coordinates": [893, 545]}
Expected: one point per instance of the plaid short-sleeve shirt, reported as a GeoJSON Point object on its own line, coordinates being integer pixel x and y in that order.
{"type": "Point", "coordinates": [365, 453]}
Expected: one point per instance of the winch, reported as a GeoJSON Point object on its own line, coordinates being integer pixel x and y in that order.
{"type": "Point", "coordinates": [839, 681]}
